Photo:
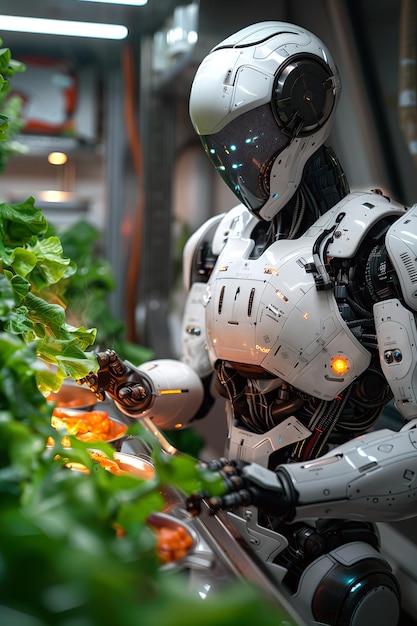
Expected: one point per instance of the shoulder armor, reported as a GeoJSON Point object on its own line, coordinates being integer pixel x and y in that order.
{"type": "Point", "coordinates": [350, 220]}
{"type": "Point", "coordinates": [205, 245]}
{"type": "Point", "coordinates": [401, 242]}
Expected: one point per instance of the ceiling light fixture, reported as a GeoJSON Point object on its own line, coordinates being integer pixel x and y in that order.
{"type": "Point", "coordinates": [57, 158]}
{"type": "Point", "coordinates": [62, 27]}
{"type": "Point", "coordinates": [132, 3]}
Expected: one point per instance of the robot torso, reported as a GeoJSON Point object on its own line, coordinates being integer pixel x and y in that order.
{"type": "Point", "coordinates": [270, 311]}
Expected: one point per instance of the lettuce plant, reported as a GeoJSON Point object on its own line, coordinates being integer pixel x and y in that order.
{"type": "Point", "coordinates": [32, 267]}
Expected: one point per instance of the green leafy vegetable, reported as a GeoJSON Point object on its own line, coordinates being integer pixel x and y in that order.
{"type": "Point", "coordinates": [31, 264]}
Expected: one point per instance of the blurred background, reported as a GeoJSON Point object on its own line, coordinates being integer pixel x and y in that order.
{"type": "Point", "coordinates": [106, 140]}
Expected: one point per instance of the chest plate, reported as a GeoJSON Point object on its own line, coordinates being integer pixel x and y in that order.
{"type": "Point", "coordinates": [268, 312]}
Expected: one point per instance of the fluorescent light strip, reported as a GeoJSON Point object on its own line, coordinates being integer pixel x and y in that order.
{"type": "Point", "coordinates": [62, 27]}
{"type": "Point", "coordinates": [132, 3]}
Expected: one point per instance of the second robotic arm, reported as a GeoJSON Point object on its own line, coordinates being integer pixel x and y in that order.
{"type": "Point", "coordinates": [167, 391]}
{"type": "Point", "coordinates": [371, 478]}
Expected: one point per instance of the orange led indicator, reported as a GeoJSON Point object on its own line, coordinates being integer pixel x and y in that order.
{"type": "Point", "coordinates": [339, 365]}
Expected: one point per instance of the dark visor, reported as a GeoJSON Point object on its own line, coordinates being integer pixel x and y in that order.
{"type": "Point", "coordinates": [243, 153]}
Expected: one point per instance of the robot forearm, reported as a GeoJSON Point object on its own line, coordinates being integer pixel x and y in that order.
{"type": "Point", "coordinates": [167, 391]}
{"type": "Point", "coordinates": [372, 478]}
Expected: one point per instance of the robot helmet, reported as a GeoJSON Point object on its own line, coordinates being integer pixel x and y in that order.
{"type": "Point", "coordinates": [262, 102]}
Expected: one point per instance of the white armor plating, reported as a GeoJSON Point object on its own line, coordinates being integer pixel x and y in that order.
{"type": "Point", "coordinates": [402, 246]}
{"type": "Point", "coordinates": [373, 477]}
{"type": "Point", "coordinates": [253, 59]}
{"type": "Point", "coordinates": [177, 392]}
{"type": "Point", "coordinates": [268, 312]}
{"type": "Point", "coordinates": [397, 339]}
{"type": "Point", "coordinates": [253, 447]}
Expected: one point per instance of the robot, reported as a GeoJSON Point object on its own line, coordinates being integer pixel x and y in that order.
{"type": "Point", "coordinates": [301, 307]}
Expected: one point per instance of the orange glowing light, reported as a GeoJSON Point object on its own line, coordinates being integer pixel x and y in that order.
{"type": "Point", "coordinates": [339, 365]}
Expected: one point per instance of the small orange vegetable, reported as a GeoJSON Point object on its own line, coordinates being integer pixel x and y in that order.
{"type": "Point", "coordinates": [172, 543]}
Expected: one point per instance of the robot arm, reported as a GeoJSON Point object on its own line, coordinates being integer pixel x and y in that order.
{"type": "Point", "coordinates": [397, 337]}
{"type": "Point", "coordinates": [167, 391]}
{"type": "Point", "coordinates": [395, 319]}
{"type": "Point", "coordinates": [371, 478]}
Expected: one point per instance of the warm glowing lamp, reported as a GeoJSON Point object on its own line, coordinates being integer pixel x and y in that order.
{"type": "Point", "coordinates": [57, 158]}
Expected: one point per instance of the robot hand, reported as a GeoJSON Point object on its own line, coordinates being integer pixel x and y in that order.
{"type": "Point", "coordinates": [129, 389]}
{"type": "Point", "coordinates": [167, 391]}
{"type": "Point", "coordinates": [245, 484]}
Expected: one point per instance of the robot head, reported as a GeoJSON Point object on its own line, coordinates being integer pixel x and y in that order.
{"type": "Point", "coordinates": [262, 102]}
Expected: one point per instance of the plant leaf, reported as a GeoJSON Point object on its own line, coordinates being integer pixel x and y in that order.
{"type": "Point", "coordinates": [49, 259]}
{"type": "Point", "coordinates": [19, 222]}
{"type": "Point", "coordinates": [23, 261]}
{"type": "Point", "coordinates": [20, 286]}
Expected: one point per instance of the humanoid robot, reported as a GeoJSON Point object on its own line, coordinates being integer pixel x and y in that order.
{"type": "Point", "coordinates": [302, 306]}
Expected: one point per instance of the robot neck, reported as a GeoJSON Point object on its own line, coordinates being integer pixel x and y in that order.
{"type": "Point", "coordinates": [322, 186]}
